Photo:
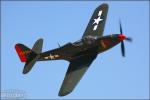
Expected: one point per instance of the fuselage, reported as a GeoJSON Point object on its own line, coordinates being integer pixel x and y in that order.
{"type": "Point", "coordinates": [82, 47]}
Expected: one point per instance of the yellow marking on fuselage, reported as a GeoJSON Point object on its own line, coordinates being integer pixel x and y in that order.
{"type": "Point", "coordinates": [103, 44]}
{"type": "Point", "coordinates": [56, 56]}
{"type": "Point", "coordinates": [52, 57]}
{"type": "Point", "coordinates": [45, 57]}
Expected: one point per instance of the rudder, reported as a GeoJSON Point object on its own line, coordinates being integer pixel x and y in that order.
{"type": "Point", "coordinates": [22, 51]}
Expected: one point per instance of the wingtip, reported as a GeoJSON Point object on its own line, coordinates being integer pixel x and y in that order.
{"type": "Point", "coordinates": [40, 39]}
{"type": "Point", "coordinates": [104, 5]}
{"type": "Point", "coordinates": [63, 93]}
{"type": "Point", "coordinates": [24, 72]}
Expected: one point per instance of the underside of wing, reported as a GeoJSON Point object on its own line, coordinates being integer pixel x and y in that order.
{"type": "Point", "coordinates": [75, 71]}
{"type": "Point", "coordinates": [97, 22]}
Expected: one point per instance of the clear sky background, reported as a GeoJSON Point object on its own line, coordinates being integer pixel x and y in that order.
{"type": "Point", "coordinates": [109, 77]}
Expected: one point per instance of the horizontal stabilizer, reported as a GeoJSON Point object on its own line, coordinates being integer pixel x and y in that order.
{"type": "Point", "coordinates": [29, 64]}
{"type": "Point", "coordinates": [37, 48]}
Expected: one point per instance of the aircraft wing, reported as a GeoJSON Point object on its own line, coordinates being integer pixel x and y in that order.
{"type": "Point", "coordinates": [75, 71]}
{"type": "Point", "coordinates": [97, 22]}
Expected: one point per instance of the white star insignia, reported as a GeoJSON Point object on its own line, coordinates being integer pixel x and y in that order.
{"type": "Point", "coordinates": [95, 27]}
{"type": "Point", "coordinates": [96, 21]}
{"type": "Point", "coordinates": [100, 13]}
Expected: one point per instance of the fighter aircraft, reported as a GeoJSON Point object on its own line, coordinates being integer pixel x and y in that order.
{"type": "Point", "coordinates": [80, 54]}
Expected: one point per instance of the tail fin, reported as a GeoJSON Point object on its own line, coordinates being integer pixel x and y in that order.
{"type": "Point", "coordinates": [22, 51]}
{"type": "Point", "coordinates": [29, 56]}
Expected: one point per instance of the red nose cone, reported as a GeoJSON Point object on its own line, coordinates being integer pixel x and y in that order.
{"type": "Point", "coordinates": [121, 37]}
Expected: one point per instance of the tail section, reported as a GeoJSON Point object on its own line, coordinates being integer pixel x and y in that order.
{"type": "Point", "coordinates": [37, 48]}
{"type": "Point", "coordinates": [22, 51]}
{"type": "Point", "coordinates": [30, 56]}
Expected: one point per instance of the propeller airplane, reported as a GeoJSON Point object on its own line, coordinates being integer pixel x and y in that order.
{"type": "Point", "coordinates": [80, 54]}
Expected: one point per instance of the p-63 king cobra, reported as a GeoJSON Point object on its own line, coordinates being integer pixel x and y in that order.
{"type": "Point", "coordinates": [80, 54]}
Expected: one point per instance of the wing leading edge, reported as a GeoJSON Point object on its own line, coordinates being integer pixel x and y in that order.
{"type": "Point", "coordinates": [97, 22]}
{"type": "Point", "coordinates": [75, 71]}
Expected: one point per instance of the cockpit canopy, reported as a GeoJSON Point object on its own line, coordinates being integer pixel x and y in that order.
{"type": "Point", "coordinates": [90, 38]}
{"type": "Point", "coordinates": [78, 43]}
{"type": "Point", "coordinates": [87, 40]}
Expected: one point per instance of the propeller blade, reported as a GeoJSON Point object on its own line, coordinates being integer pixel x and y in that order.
{"type": "Point", "coordinates": [128, 39]}
{"type": "Point", "coordinates": [122, 49]}
{"type": "Point", "coordinates": [120, 27]}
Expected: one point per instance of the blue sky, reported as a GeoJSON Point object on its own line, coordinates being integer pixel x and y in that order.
{"type": "Point", "coordinates": [109, 77]}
